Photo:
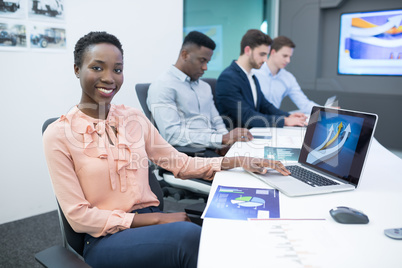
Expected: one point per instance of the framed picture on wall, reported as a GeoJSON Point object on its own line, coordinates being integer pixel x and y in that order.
{"type": "Point", "coordinates": [15, 9]}
{"type": "Point", "coordinates": [12, 35]}
{"type": "Point", "coordinates": [46, 10]}
{"type": "Point", "coordinates": [47, 37]}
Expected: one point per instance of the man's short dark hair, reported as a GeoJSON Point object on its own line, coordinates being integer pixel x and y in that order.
{"type": "Point", "coordinates": [254, 38]}
{"type": "Point", "coordinates": [91, 39]}
{"type": "Point", "coordinates": [199, 39]}
{"type": "Point", "coordinates": [282, 41]}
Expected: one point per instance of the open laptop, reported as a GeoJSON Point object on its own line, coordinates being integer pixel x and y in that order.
{"type": "Point", "coordinates": [335, 148]}
{"type": "Point", "coordinates": [331, 102]}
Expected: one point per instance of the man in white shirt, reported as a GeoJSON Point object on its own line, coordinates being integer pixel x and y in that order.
{"type": "Point", "coordinates": [276, 82]}
{"type": "Point", "coordinates": [182, 104]}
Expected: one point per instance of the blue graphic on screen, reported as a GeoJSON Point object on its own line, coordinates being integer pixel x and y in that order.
{"type": "Point", "coordinates": [243, 203]}
{"type": "Point", "coordinates": [371, 43]}
{"type": "Point", "coordinates": [334, 143]}
{"type": "Point", "coordinates": [379, 42]}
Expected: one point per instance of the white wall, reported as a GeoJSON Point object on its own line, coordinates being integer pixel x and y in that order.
{"type": "Point", "coordinates": [36, 85]}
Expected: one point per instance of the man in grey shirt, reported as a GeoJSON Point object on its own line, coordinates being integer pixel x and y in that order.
{"type": "Point", "coordinates": [182, 104]}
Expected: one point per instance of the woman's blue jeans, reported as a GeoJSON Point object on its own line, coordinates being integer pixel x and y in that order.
{"type": "Point", "coordinates": [164, 245]}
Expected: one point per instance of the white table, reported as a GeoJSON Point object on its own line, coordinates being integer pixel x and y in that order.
{"type": "Point", "coordinates": [230, 243]}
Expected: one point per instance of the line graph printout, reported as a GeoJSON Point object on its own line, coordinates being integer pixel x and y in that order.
{"type": "Point", "coordinates": [294, 243]}
{"type": "Point", "coordinates": [240, 203]}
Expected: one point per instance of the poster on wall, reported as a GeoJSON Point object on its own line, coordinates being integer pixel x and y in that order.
{"type": "Point", "coordinates": [12, 35]}
{"type": "Point", "coordinates": [46, 10]}
{"type": "Point", "coordinates": [47, 37]}
{"type": "Point", "coordinates": [15, 9]}
{"type": "Point", "coordinates": [215, 33]}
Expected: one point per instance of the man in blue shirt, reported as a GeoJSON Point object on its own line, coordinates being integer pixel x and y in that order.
{"type": "Point", "coordinates": [182, 104]}
{"type": "Point", "coordinates": [276, 82]}
{"type": "Point", "coordinates": [238, 94]}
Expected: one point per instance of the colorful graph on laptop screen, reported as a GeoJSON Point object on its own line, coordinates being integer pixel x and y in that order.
{"type": "Point", "coordinates": [334, 143]}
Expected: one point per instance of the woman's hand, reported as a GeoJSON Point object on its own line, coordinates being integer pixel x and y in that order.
{"type": "Point", "coordinates": [146, 219]}
{"type": "Point", "coordinates": [260, 165]}
{"type": "Point", "coordinates": [253, 164]}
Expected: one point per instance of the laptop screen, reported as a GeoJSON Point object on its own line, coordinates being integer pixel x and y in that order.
{"type": "Point", "coordinates": [337, 142]}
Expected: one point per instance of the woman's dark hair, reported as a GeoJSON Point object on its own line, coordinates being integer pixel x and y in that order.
{"type": "Point", "coordinates": [199, 39]}
{"type": "Point", "coordinates": [254, 38]}
{"type": "Point", "coordinates": [91, 39]}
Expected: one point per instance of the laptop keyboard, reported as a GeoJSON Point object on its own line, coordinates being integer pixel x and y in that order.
{"type": "Point", "coordinates": [311, 178]}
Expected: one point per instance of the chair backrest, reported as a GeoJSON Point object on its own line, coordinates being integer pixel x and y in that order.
{"type": "Point", "coordinates": [71, 239]}
{"type": "Point", "coordinates": [142, 94]}
{"type": "Point", "coordinates": [155, 186]}
{"type": "Point", "coordinates": [212, 84]}
{"type": "Point", "coordinates": [47, 123]}
{"type": "Point", "coordinates": [75, 241]}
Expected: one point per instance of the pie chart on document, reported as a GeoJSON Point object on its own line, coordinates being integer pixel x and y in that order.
{"type": "Point", "coordinates": [248, 201]}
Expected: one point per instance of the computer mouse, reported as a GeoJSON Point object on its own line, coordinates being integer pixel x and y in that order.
{"type": "Point", "coordinates": [395, 233]}
{"type": "Point", "coordinates": [348, 215]}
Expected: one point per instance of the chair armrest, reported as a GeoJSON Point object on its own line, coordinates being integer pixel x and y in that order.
{"type": "Point", "coordinates": [60, 257]}
{"type": "Point", "coordinates": [195, 209]}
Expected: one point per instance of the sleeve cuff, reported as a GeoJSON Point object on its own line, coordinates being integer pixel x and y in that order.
{"type": "Point", "coordinates": [280, 122]}
{"type": "Point", "coordinates": [128, 220]}
{"type": "Point", "coordinates": [216, 140]}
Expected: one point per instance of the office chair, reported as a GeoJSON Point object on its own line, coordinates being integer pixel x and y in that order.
{"type": "Point", "coordinates": [142, 94]}
{"type": "Point", "coordinates": [199, 187]}
{"type": "Point", "coordinates": [70, 254]}
{"type": "Point", "coordinates": [212, 84]}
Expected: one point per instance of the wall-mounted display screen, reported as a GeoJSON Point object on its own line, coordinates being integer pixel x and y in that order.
{"type": "Point", "coordinates": [370, 43]}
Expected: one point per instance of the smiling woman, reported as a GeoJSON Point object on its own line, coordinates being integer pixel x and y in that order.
{"type": "Point", "coordinates": [98, 154]}
{"type": "Point", "coordinates": [101, 76]}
